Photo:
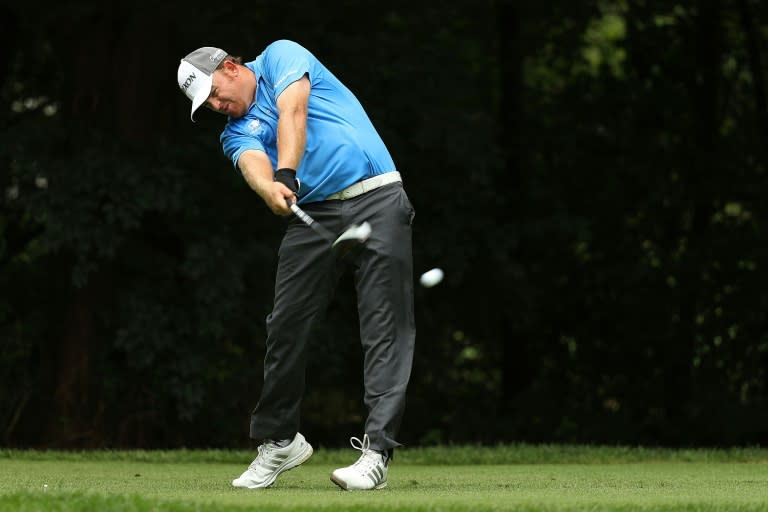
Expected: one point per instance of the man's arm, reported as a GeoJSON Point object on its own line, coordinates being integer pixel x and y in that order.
{"type": "Point", "coordinates": [292, 107]}
{"type": "Point", "coordinates": [291, 139]}
{"type": "Point", "coordinates": [257, 171]}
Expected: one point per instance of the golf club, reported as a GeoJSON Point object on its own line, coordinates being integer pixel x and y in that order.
{"type": "Point", "coordinates": [352, 237]}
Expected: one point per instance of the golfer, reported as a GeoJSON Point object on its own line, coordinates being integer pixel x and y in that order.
{"type": "Point", "coordinates": [297, 134]}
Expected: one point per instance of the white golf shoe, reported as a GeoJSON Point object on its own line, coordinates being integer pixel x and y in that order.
{"type": "Point", "coordinates": [368, 473]}
{"type": "Point", "coordinates": [273, 460]}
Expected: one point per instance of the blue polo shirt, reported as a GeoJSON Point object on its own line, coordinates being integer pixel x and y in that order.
{"type": "Point", "coordinates": [342, 145]}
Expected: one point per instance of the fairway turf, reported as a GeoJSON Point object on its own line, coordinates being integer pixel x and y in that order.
{"type": "Point", "coordinates": [587, 479]}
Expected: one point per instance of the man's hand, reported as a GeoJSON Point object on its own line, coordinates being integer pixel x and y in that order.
{"type": "Point", "coordinates": [278, 196]}
{"type": "Point", "coordinates": [257, 171]}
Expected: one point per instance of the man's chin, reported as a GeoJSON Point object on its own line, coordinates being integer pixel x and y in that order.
{"type": "Point", "coordinates": [235, 114]}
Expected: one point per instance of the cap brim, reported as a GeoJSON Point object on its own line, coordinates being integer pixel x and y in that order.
{"type": "Point", "coordinates": [204, 90]}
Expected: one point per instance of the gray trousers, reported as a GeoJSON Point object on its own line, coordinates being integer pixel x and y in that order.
{"type": "Point", "coordinates": [307, 274]}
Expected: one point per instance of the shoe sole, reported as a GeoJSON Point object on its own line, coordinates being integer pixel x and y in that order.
{"type": "Point", "coordinates": [341, 483]}
{"type": "Point", "coordinates": [287, 466]}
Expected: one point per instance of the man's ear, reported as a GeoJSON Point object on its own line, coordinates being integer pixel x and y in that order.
{"type": "Point", "coordinates": [230, 68]}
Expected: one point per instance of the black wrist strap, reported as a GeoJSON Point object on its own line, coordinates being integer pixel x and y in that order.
{"type": "Point", "coordinates": [287, 177]}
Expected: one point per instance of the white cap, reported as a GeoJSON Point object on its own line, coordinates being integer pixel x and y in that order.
{"type": "Point", "coordinates": [195, 72]}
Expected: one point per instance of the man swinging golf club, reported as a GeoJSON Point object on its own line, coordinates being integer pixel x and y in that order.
{"type": "Point", "coordinates": [304, 143]}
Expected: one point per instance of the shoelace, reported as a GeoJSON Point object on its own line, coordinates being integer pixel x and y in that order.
{"type": "Point", "coordinates": [264, 450]}
{"type": "Point", "coordinates": [368, 459]}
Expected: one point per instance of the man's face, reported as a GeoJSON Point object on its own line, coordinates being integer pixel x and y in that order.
{"type": "Point", "coordinates": [228, 93]}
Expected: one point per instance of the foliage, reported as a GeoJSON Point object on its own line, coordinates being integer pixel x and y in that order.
{"type": "Point", "coordinates": [589, 175]}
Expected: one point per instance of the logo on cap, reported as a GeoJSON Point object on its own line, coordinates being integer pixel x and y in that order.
{"type": "Point", "coordinates": [188, 82]}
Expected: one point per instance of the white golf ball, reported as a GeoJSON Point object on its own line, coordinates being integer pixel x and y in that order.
{"type": "Point", "coordinates": [431, 277]}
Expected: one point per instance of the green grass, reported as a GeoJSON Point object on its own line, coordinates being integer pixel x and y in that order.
{"type": "Point", "coordinates": [466, 478]}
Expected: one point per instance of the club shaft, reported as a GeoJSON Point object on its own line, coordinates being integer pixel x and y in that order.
{"type": "Point", "coordinates": [309, 221]}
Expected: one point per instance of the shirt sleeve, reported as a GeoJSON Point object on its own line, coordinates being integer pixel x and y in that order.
{"type": "Point", "coordinates": [235, 144]}
{"type": "Point", "coordinates": [286, 62]}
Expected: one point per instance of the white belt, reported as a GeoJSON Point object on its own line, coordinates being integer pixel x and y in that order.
{"type": "Point", "coordinates": [361, 187]}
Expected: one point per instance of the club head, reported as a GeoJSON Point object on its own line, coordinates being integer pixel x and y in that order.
{"type": "Point", "coordinates": [351, 239]}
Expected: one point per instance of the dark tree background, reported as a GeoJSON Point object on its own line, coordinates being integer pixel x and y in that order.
{"type": "Point", "coordinates": [590, 175]}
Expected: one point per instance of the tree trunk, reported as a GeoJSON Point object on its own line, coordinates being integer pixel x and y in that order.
{"type": "Point", "coordinates": [118, 91]}
{"type": "Point", "coordinates": [70, 422]}
{"type": "Point", "coordinates": [752, 37]}
{"type": "Point", "coordinates": [515, 368]}
{"type": "Point", "coordinates": [701, 154]}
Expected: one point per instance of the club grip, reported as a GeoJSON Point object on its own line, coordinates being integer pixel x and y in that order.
{"type": "Point", "coordinates": [309, 221]}
{"type": "Point", "coordinates": [300, 213]}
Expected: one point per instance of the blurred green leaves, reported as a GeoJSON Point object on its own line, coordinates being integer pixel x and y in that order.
{"type": "Point", "coordinates": [590, 175]}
